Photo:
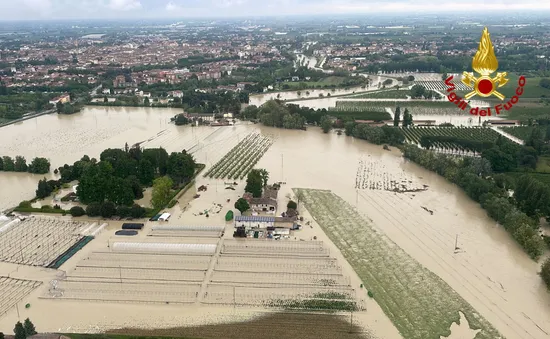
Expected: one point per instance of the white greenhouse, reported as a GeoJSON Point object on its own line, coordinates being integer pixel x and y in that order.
{"type": "Point", "coordinates": [165, 248]}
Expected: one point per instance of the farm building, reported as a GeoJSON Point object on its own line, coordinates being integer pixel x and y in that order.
{"type": "Point", "coordinates": [264, 222]}
{"type": "Point", "coordinates": [267, 203]}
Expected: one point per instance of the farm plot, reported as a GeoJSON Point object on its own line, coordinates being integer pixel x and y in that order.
{"type": "Point", "coordinates": [281, 274]}
{"type": "Point", "coordinates": [419, 303]}
{"type": "Point", "coordinates": [521, 132]}
{"type": "Point", "coordinates": [475, 134]}
{"type": "Point", "coordinates": [13, 291]}
{"type": "Point", "coordinates": [125, 292]}
{"type": "Point", "coordinates": [388, 94]}
{"type": "Point", "coordinates": [374, 175]}
{"type": "Point", "coordinates": [39, 241]}
{"type": "Point", "coordinates": [241, 159]}
{"type": "Point", "coordinates": [134, 277]}
{"type": "Point", "coordinates": [442, 86]}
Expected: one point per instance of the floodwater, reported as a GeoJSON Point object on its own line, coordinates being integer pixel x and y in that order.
{"type": "Point", "coordinates": [490, 271]}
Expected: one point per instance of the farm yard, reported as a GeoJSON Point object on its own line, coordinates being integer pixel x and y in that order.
{"type": "Point", "coordinates": [39, 241]}
{"type": "Point", "coordinates": [13, 291]}
{"type": "Point", "coordinates": [374, 175]}
{"type": "Point", "coordinates": [475, 134]}
{"type": "Point", "coordinates": [418, 302]}
{"type": "Point", "coordinates": [241, 159]}
{"type": "Point", "coordinates": [300, 275]}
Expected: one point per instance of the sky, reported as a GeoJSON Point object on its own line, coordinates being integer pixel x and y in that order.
{"type": "Point", "coordinates": [94, 9]}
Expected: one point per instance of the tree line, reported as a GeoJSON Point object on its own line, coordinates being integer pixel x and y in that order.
{"type": "Point", "coordinates": [19, 164]}
{"type": "Point", "coordinates": [374, 134]}
{"type": "Point", "coordinates": [475, 177]}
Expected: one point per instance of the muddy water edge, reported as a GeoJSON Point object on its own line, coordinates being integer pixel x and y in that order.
{"type": "Point", "coordinates": [491, 272]}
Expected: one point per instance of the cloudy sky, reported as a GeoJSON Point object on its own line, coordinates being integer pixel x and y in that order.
{"type": "Point", "coordinates": [77, 9]}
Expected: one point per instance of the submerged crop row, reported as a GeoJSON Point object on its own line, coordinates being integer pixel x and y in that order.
{"type": "Point", "coordinates": [241, 159]}
{"type": "Point", "coordinates": [419, 303]}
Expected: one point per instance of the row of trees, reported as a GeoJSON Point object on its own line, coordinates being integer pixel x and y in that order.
{"type": "Point", "coordinates": [37, 166]}
{"type": "Point", "coordinates": [67, 108]}
{"type": "Point", "coordinates": [407, 117]}
{"type": "Point", "coordinates": [474, 176]}
{"type": "Point", "coordinates": [276, 114]}
{"type": "Point", "coordinates": [374, 134]}
{"type": "Point", "coordinates": [429, 141]}
{"type": "Point", "coordinates": [256, 181]}
{"type": "Point", "coordinates": [22, 330]}
{"type": "Point", "coordinates": [309, 115]}
{"type": "Point", "coordinates": [109, 210]}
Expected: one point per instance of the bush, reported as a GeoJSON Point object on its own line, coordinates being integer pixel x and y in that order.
{"type": "Point", "coordinates": [25, 204]}
{"type": "Point", "coordinates": [77, 211]}
{"type": "Point", "coordinates": [123, 211]}
{"type": "Point", "coordinates": [545, 272]}
{"type": "Point", "coordinates": [292, 205]}
{"type": "Point", "coordinates": [46, 207]}
{"type": "Point", "coordinates": [137, 211]}
{"type": "Point", "coordinates": [108, 209]}
{"type": "Point", "coordinates": [93, 210]}
{"type": "Point", "coordinates": [172, 203]}
{"type": "Point", "coordinates": [371, 295]}
{"type": "Point", "coordinates": [56, 207]}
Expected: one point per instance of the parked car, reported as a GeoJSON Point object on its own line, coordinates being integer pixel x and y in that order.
{"type": "Point", "coordinates": [155, 218]}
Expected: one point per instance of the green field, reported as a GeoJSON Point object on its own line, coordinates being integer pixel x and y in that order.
{"type": "Point", "coordinates": [542, 177]}
{"type": "Point", "coordinates": [419, 303]}
{"type": "Point", "coordinates": [328, 81]}
{"type": "Point", "coordinates": [390, 94]}
{"type": "Point", "coordinates": [521, 132]}
{"type": "Point", "coordinates": [477, 134]}
{"type": "Point", "coordinates": [531, 89]}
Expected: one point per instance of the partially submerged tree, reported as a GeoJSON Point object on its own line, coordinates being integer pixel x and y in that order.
{"type": "Point", "coordinates": [161, 192]}
{"type": "Point", "coordinates": [29, 327]}
{"type": "Point", "coordinates": [19, 331]}
{"type": "Point", "coordinates": [254, 183]}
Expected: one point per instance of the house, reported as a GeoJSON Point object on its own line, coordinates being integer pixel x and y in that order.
{"type": "Point", "coordinates": [266, 203]}
{"type": "Point", "coordinates": [295, 78]}
{"type": "Point", "coordinates": [176, 94]}
{"type": "Point", "coordinates": [203, 116]}
{"type": "Point", "coordinates": [62, 99]}
{"type": "Point", "coordinates": [106, 91]}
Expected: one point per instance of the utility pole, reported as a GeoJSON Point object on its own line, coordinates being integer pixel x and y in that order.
{"type": "Point", "coordinates": [17, 308]}
{"type": "Point", "coordinates": [282, 168]}
{"type": "Point", "coordinates": [120, 273]}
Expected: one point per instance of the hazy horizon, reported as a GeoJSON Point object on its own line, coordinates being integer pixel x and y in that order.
{"type": "Point", "coordinates": [191, 9]}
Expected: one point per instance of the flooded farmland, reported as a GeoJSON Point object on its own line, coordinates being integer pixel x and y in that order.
{"type": "Point", "coordinates": [490, 272]}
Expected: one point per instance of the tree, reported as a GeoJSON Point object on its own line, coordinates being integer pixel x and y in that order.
{"type": "Point", "coordinates": [181, 167]}
{"type": "Point", "coordinates": [1, 335]}
{"type": "Point", "coordinates": [162, 188]}
{"type": "Point", "coordinates": [108, 209]}
{"type": "Point", "coordinates": [9, 164]}
{"type": "Point", "coordinates": [19, 331]}
{"type": "Point", "coordinates": [146, 101]}
{"type": "Point", "coordinates": [292, 205]}
{"type": "Point", "coordinates": [29, 327]}
{"type": "Point", "coordinates": [348, 127]}
{"type": "Point", "coordinates": [181, 120]}
{"type": "Point", "coordinates": [39, 166]}
{"type": "Point", "coordinates": [254, 183]}
{"type": "Point", "coordinates": [123, 211]}
{"type": "Point", "coordinates": [105, 99]}
{"type": "Point", "coordinates": [137, 211]}
{"type": "Point", "coordinates": [544, 82]}
{"type": "Point", "coordinates": [242, 205]}
{"type": "Point", "coordinates": [326, 124]}
{"type": "Point", "coordinates": [93, 210]}
{"type": "Point", "coordinates": [44, 189]}
{"type": "Point", "coordinates": [20, 164]}
{"type": "Point", "coordinates": [407, 118]}
{"type": "Point", "coordinates": [418, 91]}
{"type": "Point", "coordinates": [545, 272]}
{"type": "Point", "coordinates": [397, 116]}
{"type": "Point", "coordinates": [77, 211]}
{"type": "Point", "coordinates": [146, 172]}
{"type": "Point", "coordinates": [264, 174]}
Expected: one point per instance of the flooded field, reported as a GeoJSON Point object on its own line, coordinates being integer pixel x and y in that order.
{"type": "Point", "coordinates": [490, 272]}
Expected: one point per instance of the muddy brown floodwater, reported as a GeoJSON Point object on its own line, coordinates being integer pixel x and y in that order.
{"type": "Point", "coordinates": [490, 271]}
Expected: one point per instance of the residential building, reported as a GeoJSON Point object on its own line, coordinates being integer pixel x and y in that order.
{"type": "Point", "coordinates": [62, 98]}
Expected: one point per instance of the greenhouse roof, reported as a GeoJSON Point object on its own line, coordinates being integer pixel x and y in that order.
{"type": "Point", "coordinates": [255, 218]}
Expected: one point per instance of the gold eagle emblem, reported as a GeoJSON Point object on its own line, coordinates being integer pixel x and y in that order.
{"type": "Point", "coordinates": [485, 63]}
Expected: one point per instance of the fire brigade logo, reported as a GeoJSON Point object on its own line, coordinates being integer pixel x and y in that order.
{"type": "Point", "coordinates": [485, 63]}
